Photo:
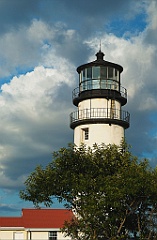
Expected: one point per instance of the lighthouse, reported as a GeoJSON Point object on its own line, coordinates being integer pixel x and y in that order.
{"type": "Point", "coordinates": [99, 99]}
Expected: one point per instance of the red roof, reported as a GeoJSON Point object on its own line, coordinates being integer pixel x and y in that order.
{"type": "Point", "coordinates": [38, 218]}
{"type": "Point", "coordinates": [11, 222]}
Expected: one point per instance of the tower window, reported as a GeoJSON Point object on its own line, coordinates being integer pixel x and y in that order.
{"type": "Point", "coordinates": [85, 133]}
{"type": "Point", "coordinates": [89, 73]}
{"type": "Point", "coordinates": [96, 72]}
{"type": "Point", "coordinates": [110, 72]}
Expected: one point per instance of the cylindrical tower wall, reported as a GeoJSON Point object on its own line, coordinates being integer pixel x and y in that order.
{"type": "Point", "coordinates": [99, 108]}
{"type": "Point", "coordinates": [98, 133]}
{"type": "Point", "coordinates": [99, 103]}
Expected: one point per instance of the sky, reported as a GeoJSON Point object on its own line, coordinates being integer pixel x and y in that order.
{"type": "Point", "coordinates": [42, 42]}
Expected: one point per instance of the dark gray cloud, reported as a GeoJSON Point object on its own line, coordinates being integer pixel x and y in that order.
{"type": "Point", "coordinates": [16, 12]}
{"type": "Point", "coordinates": [85, 16]}
{"type": "Point", "coordinates": [28, 157]}
{"type": "Point", "coordinates": [139, 136]}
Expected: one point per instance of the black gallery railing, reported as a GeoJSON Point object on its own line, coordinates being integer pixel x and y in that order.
{"type": "Point", "coordinates": [106, 86]}
{"type": "Point", "coordinates": [104, 113]}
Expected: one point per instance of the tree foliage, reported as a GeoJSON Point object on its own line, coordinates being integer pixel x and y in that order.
{"type": "Point", "coordinates": [112, 193]}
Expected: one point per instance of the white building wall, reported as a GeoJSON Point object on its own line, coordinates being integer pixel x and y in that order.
{"type": "Point", "coordinates": [39, 235]}
{"type": "Point", "coordinates": [29, 234]}
{"type": "Point", "coordinates": [99, 133]}
{"type": "Point", "coordinates": [98, 103]}
{"type": "Point", "coordinates": [99, 108]}
{"type": "Point", "coordinates": [12, 234]}
{"type": "Point", "coordinates": [6, 235]}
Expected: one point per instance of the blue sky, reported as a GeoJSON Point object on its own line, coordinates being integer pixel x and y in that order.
{"type": "Point", "coordinates": [42, 42]}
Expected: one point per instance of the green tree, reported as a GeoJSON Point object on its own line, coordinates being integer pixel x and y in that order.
{"type": "Point", "coordinates": [112, 193]}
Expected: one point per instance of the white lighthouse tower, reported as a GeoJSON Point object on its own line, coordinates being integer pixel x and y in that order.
{"type": "Point", "coordinates": [99, 99]}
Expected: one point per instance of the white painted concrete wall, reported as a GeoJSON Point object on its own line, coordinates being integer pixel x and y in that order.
{"type": "Point", "coordinates": [99, 133]}
{"type": "Point", "coordinates": [14, 234]}
{"type": "Point", "coordinates": [39, 235]}
{"type": "Point", "coordinates": [97, 103]}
